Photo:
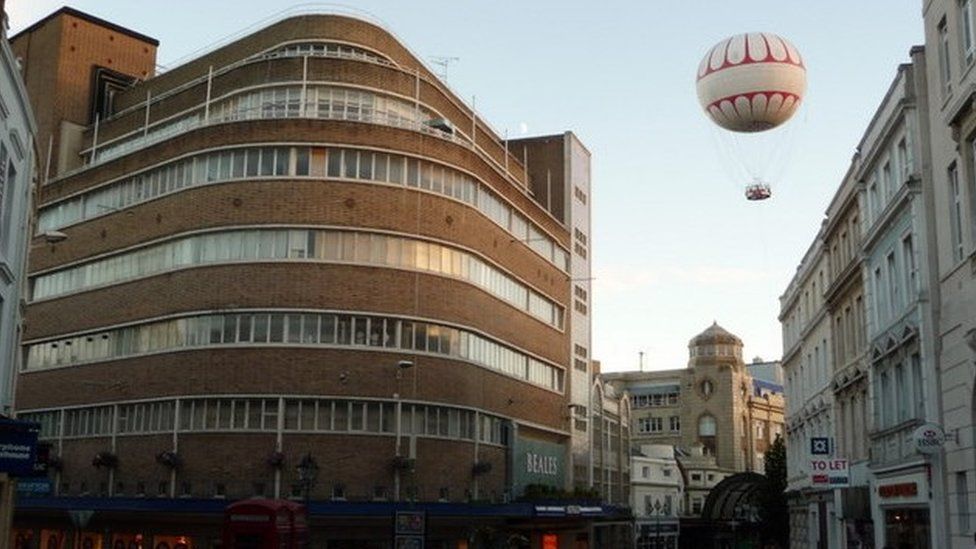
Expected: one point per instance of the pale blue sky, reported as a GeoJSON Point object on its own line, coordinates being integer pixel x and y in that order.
{"type": "Point", "coordinates": [675, 245]}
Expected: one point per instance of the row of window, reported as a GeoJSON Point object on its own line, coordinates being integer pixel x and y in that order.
{"type": "Point", "coordinates": [333, 246]}
{"type": "Point", "coordinates": [894, 282]}
{"type": "Point", "coordinates": [891, 171]}
{"type": "Point", "coordinates": [325, 49]}
{"type": "Point", "coordinates": [898, 396]}
{"type": "Point", "coordinates": [283, 101]}
{"type": "Point", "coordinates": [304, 329]}
{"type": "Point", "coordinates": [316, 162]}
{"type": "Point", "coordinates": [331, 102]}
{"type": "Point", "coordinates": [656, 424]}
{"type": "Point", "coordinates": [662, 399]}
{"type": "Point", "coordinates": [734, 351]}
{"type": "Point", "coordinates": [224, 414]}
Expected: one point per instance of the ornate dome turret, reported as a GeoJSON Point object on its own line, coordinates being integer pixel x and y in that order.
{"type": "Point", "coordinates": [715, 343]}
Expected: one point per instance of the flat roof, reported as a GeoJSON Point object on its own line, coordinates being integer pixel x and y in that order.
{"type": "Point", "coordinates": [91, 19]}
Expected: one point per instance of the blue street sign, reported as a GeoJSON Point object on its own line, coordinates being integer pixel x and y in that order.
{"type": "Point", "coordinates": [18, 447]}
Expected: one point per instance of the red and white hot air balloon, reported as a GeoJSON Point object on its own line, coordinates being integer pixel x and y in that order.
{"type": "Point", "coordinates": [751, 83]}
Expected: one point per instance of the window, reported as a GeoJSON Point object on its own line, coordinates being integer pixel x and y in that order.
{"type": "Point", "coordinates": [908, 260]}
{"type": "Point", "coordinates": [901, 392]}
{"type": "Point", "coordinates": [903, 160]}
{"type": "Point", "coordinates": [892, 272]}
{"type": "Point", "coordinates": [579, 195]}
{"type": "Point", "coordinates": [707, 388]}
{"type": "Point", "coordinates": [955, 213]}
{"type": "Point", "coordinates": [968, 44]}
{"type": "Point", "coordinates": [918, 393]}
{"type": "Point", "coordinates": [944, 68]}
{"type": "Point", "coordinates": [646, 472]}
{"type": "Point", "coordinates": [3, 174]}
{"type": "Point", "coordinates": [874, 203]}
{"type": "Point", "coordinates": [887, 416]}
{"type": "Point", "coordinates": [706, 426]}
{"type": "Point", "coordinates": [674, 423]}
{"type": "Point", "coordinates": [889, 187]}
{"type": "Point", "coordinates": [650, 425]}
{"type": "Point", "coordinates": [880, 308]}
{"type": "Point", "coordinates": [962, 500]}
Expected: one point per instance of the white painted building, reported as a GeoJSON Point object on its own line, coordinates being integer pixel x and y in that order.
{"type": "Point", "coordinates": [17, 172]}
{"type": "Point", "coordinates": [900, 322]}
{"type": "Point", "coordinates": [863, 301]}
{"type": "Point", "coordinates": [844, 299]}
{"type": "Point", "coordinates": [808, 368]}
{"type": "Point", "coordinates": [657, 496]}
{"type": "Point", "coordinates": [950, 44]}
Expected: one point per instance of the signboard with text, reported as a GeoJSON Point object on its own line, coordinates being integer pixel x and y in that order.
{"type": "Point", "coordinates": [410, 529]}
{"type": "Point", "coordinates": [18, 447]}
{"type": "Point", "coordinates": [537, 462]}
{"type": "Point", "coordinates": [829, 473]}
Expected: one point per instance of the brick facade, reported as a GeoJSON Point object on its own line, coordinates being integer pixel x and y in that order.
{"type": "Point", "coordinates": [234, 464]}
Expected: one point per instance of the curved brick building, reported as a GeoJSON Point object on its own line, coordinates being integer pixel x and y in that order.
{"type": "Point", "coordinates": [299, 244]}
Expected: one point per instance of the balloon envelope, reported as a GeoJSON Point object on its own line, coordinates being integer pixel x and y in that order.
{"type": "Point", "coordinates": [751, 82]}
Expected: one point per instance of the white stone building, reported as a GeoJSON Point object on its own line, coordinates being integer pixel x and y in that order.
{"type": "Point", "coordinates": [657, 496]}
{"type": "Point", "coordinates": [950, 44]}
{"type": "Point", "coordinates": [901, 343]}
{"type": "Point", "coordinates": [809, 396]}
{"type": "Point", "coordinates": [17, 171]}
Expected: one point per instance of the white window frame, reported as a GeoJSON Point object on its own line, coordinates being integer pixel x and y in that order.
{"type": "Point", "coordinates": [955, 213]}
{"type": "Point", "coordinates": [966, 24]}
{"type": "Point", "coordinates": [945, 70]}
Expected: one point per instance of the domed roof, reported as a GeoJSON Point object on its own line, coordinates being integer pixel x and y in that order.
{"type": "Point", "coordinates": [714, 335]}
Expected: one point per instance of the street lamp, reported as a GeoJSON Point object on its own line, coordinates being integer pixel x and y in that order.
{"type": "Point", "coordinates": [308, 471]}
{"type": "Point", "coordinates": [657, 522]}
{"type": "Point", "coordinates": [400, 367]}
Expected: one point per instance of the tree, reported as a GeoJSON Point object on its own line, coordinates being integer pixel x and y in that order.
{"type": "Point", "coordinates": [775, 510]}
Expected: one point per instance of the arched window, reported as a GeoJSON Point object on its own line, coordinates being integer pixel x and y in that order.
{"type": "Point", "coordinates": [706, 426]}
{"type": "Point", "coordinates": [706, 433]}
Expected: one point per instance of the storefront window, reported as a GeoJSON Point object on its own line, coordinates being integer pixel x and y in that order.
{"type": "Point", "coordinates": [907, 528]}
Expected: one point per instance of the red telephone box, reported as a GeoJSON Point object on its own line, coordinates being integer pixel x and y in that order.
{"type": "Point", "coordinates": [265, 524]}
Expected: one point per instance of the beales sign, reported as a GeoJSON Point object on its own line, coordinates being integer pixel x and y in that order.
{"type": "Point", "coordinates": [537, 462]}
{"type": "Point", "coordinates": [542, 465]}
{"type": "Point", "coordinates": [829, 472]}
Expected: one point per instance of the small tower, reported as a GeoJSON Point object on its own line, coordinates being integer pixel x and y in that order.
{"type": "Point", "coordinates": [720, 384]}
{"type": "Point", "coordinates": [716, 346]}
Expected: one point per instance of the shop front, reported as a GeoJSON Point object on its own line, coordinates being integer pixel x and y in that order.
{"type": "Point", "coordinates": [658, 534]}
{"type": "Point", "coordinates": [901, 508]}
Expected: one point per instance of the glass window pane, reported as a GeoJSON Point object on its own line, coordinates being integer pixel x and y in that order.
{"type": "Point", "coordinates": [277, 328]}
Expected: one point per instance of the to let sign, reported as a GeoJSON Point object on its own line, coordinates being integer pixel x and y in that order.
{"type": "Point", "coordinates": [832, 473]}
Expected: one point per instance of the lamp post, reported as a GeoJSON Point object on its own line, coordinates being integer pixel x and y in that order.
{"type": "Point", "coordinates": [308, 471]}
{"type": "Point", "coordinates": [400, 367]}
{"type": "Point", "coordinates": [657, 523]}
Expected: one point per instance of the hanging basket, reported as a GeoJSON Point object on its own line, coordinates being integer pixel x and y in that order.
{"type": "Point", "coordinates": [105, 459]}
{"type": "Point", "coordinates": [169, 459]}
{"type": "Point", "coordinates": [276, 459]}
{"type": "Point", "coordinates": [481, 468]}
